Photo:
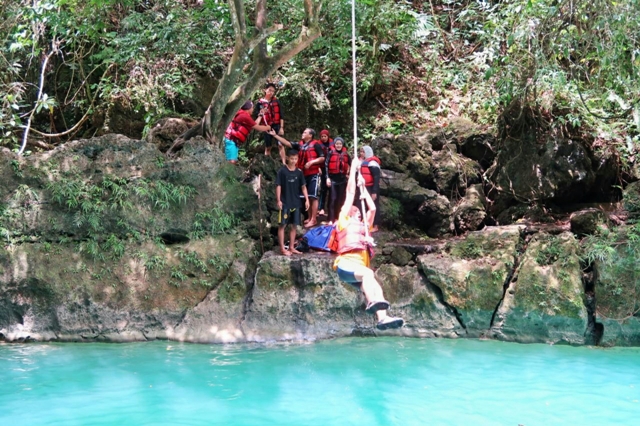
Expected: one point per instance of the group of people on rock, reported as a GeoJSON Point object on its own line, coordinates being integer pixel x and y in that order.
{"type": "Point", "coordinates": [319, 175]}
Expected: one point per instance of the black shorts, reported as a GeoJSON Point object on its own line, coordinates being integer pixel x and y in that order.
{"type": "Point", "coordinates": [313, 185]}
{"type": "Point", "coordinates": [268, 139]}
{"type": "Point", "coordinates": [288, 216]}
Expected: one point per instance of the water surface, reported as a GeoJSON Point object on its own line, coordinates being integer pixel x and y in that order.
{"type": "Point", "coordinates": [372, 381]}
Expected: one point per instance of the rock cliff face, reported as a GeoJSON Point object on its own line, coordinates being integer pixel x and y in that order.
{"type": "Point", "coordinates": [105, 239]}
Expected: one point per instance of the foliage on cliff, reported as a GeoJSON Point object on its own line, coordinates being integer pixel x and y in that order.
{"type": "Point", "coordinates": [568, 66]}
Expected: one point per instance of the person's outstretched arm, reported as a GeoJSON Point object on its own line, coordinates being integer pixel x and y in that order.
{"type": "Point", "coordinates": [280, 138]}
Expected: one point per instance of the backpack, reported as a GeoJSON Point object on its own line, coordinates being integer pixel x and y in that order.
{"type": "Point", "coordinates": [322, 238]}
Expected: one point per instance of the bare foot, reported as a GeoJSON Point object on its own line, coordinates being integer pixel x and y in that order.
{"type": "Point", "coordinates": [306, 221]}
{"type": "Point", "coordinates": [374, 229]}
{"type": "Point", "coordinates": [294, 251]}
{"type": "Point", "coordinates": [285, 252]}
{"type": "Point", "coordinates": [310, 224]}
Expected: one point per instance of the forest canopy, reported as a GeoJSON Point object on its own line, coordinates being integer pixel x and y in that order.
{"type": "Point", "coordinates": [67, 67]}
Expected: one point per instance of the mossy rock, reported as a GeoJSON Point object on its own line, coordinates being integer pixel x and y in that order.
{"type": "Point", "coordinates": [472, 276]}
{"type": "Point", "coordinates": [617, 291]}
{"type": "Point", "coordinates": [546, 303]}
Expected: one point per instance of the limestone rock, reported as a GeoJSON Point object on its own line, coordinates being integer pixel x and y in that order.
{"type": "Point", "coordinates": [472, 274]}
{"type": "Point", "coordinates": [617, 288]}
{"type": "Point", "coordinates": [546, 301]}
{"type": "Point", "coordinates": [470, 212]}
{"type": "Point", "coordinates": [585, 222]}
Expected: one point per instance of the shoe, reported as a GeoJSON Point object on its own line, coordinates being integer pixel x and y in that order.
{"type": "Point", "coordinates": [379, 305]}
{"type": "Point", "coordinates": [389, 323]}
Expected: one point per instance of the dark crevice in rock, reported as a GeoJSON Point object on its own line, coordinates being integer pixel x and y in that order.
{"type": "Point", "coordinates": [440, 295]}
{"type": "Point", "coordinates": [595, 330]}
{"type": "Point", "coordinates": [511, 276]}
{"type": "Point", "coordinates": [175, 236]}
{"type": "Point", "coordinates": [250, 282]}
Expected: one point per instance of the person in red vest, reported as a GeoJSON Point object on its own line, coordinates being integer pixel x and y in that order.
{"type": "Point", "coordinates": [268, 110]}
{"type": "Point", "coordinates": [238, 131]}
{"type": "Point", "coordinates": [370, 170]}
{"type": "Point", "coordinates": [310, 161]}
{"type": "Point", "coordinates": [337, 166]}
{"type": "Point", "coordinates": [327, 144]}
{"type": "Point", "coordinates": [355, 250]}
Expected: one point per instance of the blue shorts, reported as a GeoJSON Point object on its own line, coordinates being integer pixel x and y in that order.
{"type": "Point", "coordinates": [347, 275]}
{"type": "Point", "coordinates": [231, 150]}
{"type": "Point", "coordinates": [313, 184]}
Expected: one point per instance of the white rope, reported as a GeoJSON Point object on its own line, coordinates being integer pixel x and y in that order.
{"type": "Point", "coordinates": [353, 67]}
{"type": "Point", "coordinates": [355, 103]}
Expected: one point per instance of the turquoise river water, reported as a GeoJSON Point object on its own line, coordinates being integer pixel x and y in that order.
{"type": "Point", "coordinates": [359, 381]}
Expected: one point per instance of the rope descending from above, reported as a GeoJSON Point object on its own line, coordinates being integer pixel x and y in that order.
{"type": "Point", "coordinates": [355, 106]}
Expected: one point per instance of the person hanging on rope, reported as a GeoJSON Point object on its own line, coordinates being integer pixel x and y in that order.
{"type": "Point", "coordinates": [268, 110]}
{"type": "Point", "coordinates": [238, 131]}
{"type": "Point", "coordinates": [355, 249]}
{"type": "Point", "coordinates": [310, 160]}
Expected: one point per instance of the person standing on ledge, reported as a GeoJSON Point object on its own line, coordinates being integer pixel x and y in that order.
{"type": "Point", "coordinates": [370, 171]}
{"type": "Point", "coordinates": [238, 131]}
{"type": "Point", "coordinates": [290, 184]}
{"type": "Point", "coordinates": [310, 161]}
{"type": "Point", "coordinates": [268, 110]}
{"type": "Point", "coordinates": [355, 250]}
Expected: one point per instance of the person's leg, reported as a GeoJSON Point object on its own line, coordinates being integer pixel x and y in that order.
{"type": "Point", "coordinates": [268, 140]}
{"type": "Point", "coordinates": [282, 153]}
{"type": "Point", "coordinates": [294, 220]}
{"type": "Point", "coordinates": [341, 194]}
{"type": "Point", "coordinates": [292, 240]}
{"type": "Point", "coordinates": [333, 205]}
{"type": "Point", "coordinates": [312, 190]}
{"type": "Point", "coordinates": [231, 151]}
{"type": "Point", "coordinates": [281, 241]}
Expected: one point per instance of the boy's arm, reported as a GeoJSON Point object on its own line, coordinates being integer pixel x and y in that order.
{"type": "Point", "coordinates": [278, 195]}
{"type": "Point", "coordinates": [306, 197]}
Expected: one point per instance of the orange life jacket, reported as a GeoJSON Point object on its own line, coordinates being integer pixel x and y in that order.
{"type": "Point", "coordinates": [237, 131]}
{"type": "Point", "coordinates": [351, 238]}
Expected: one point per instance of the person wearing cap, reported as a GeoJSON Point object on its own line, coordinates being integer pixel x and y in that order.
{"type": "Point", "coordinates": [310, 161]}
{"type": "Point", "coordinates": [355, 250]}
{"type": "Point", "coordinates": [337, 167]}
{"type": "Point", "coordinates": [326, 143]}
{"type": "Point", "coordinates": [370, 170]}
{"type": "Point", "coordinates": [268, 110]}
{"type": "Point", "coordinates": [238, 131]}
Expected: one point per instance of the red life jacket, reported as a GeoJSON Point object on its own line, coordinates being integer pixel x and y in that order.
{"type": "Point", "coordinates": [351, 238]}
{"type": "Point", "coordinates": [365, 172]}
{"type": "Point", "coordinates": [271, 111]}
{"type": "Point", "coordinates": [338, 162]}
{"type": "Point", "coordinates": [328, 147]}
{"type": "Point", "coordinates": [306, 154]}
{"type": "Point", "coordinates": [237, 131]}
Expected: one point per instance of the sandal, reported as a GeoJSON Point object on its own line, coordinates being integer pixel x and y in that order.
{"type": "Point", "coordinates": [380, 305]}
{"type": "Point", "coordinates": [389, 323]}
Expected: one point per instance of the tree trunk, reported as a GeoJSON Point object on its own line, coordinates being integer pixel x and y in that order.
{"type": "Point", "coordinates": [243, 77]}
